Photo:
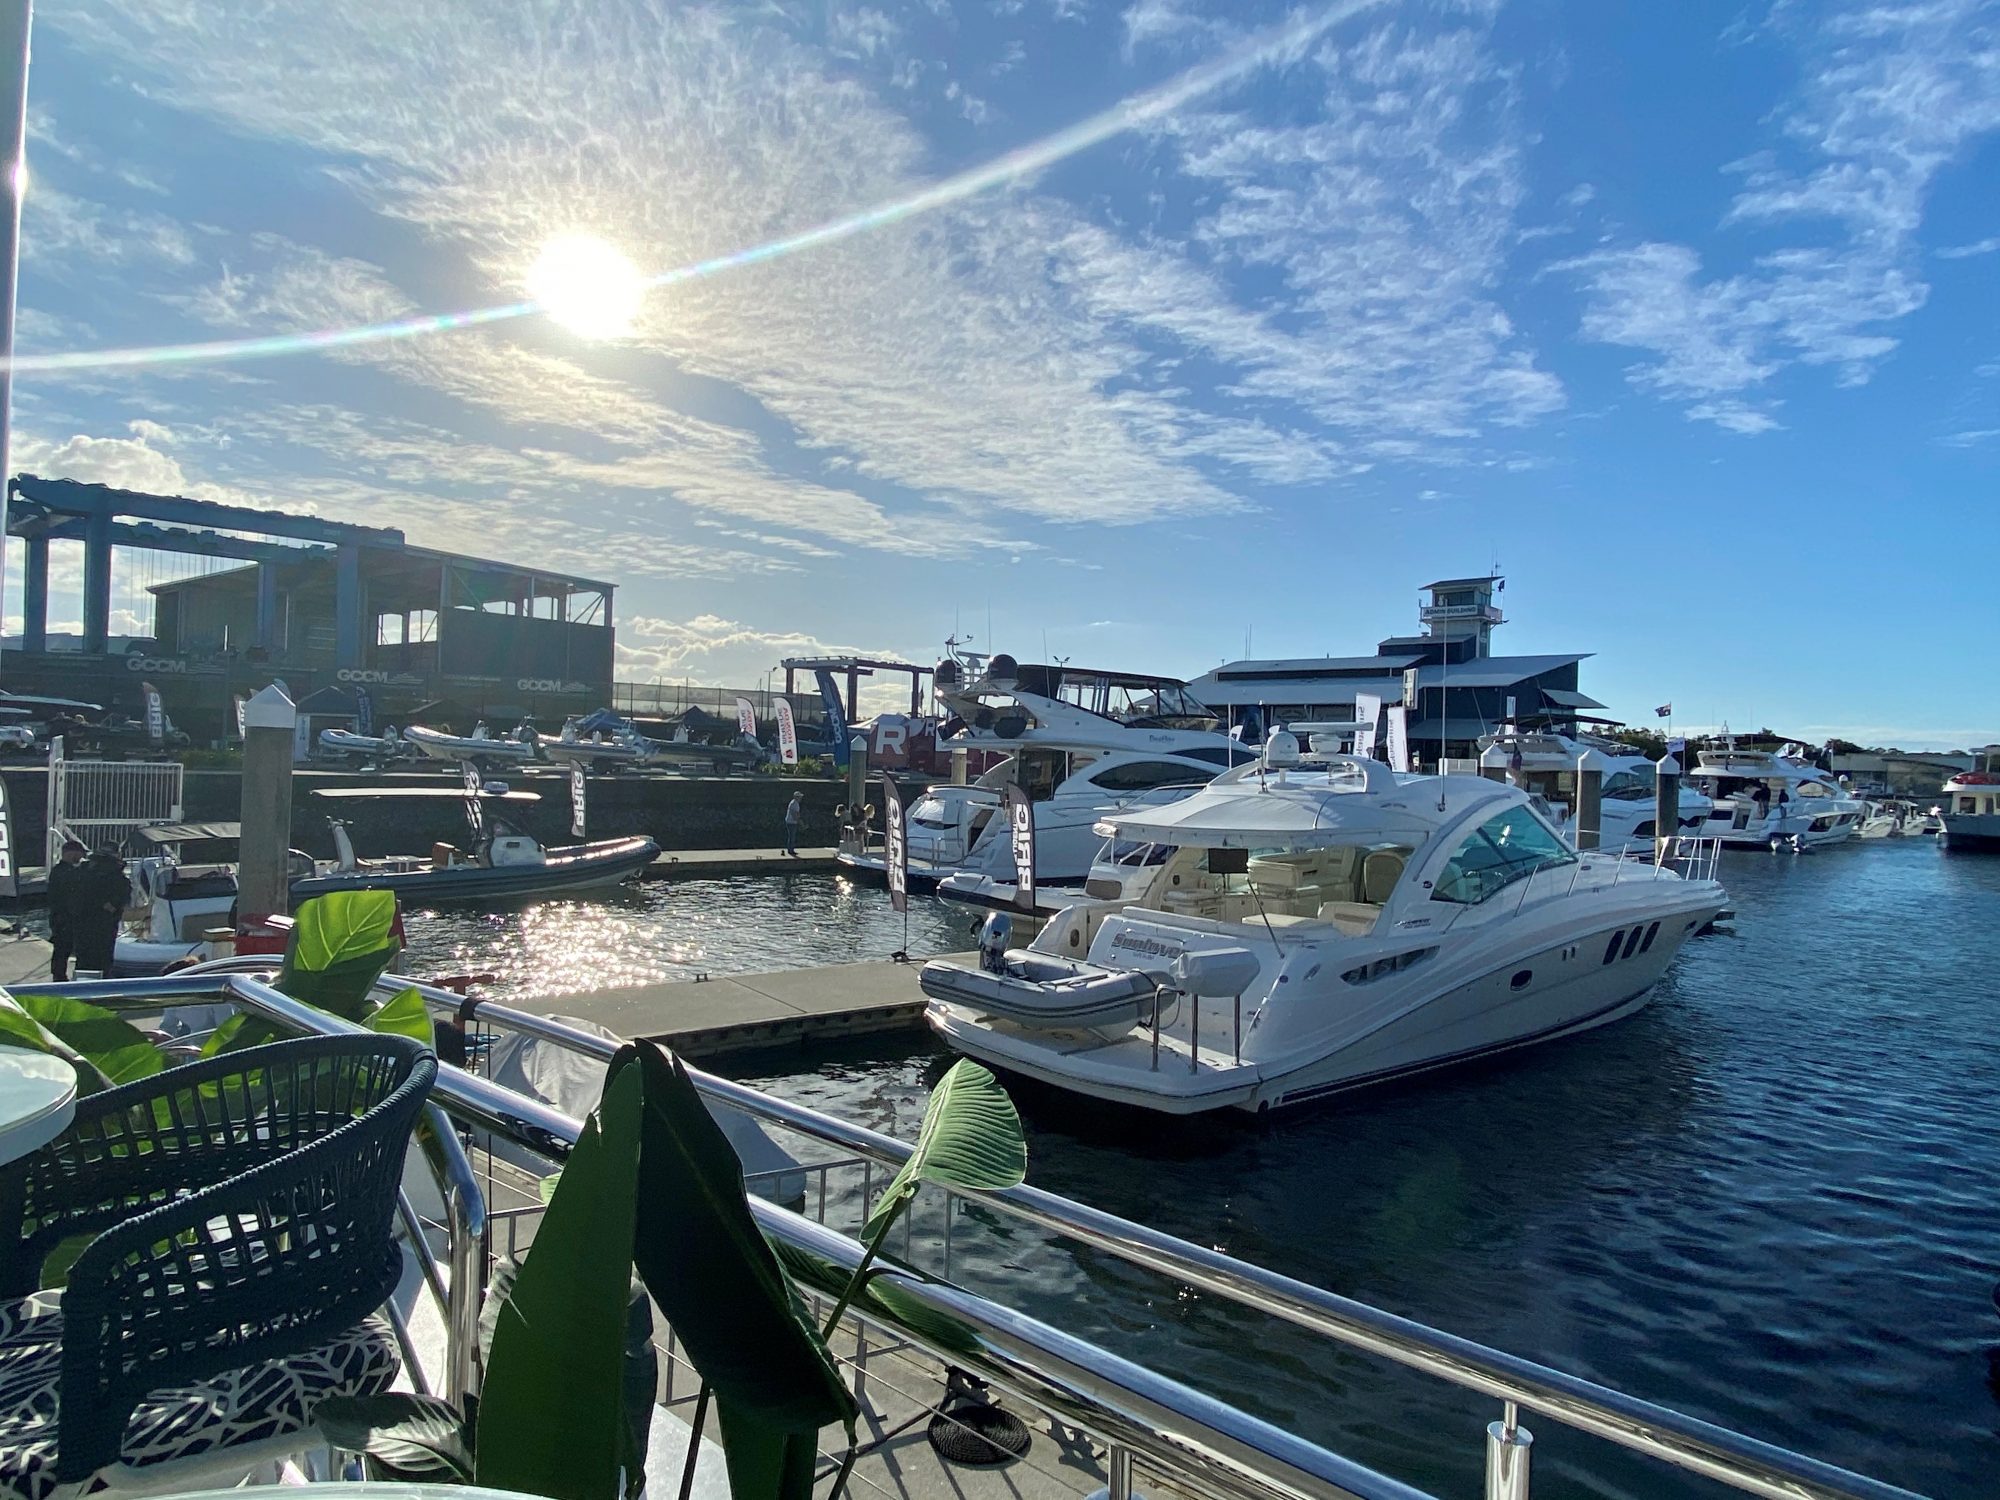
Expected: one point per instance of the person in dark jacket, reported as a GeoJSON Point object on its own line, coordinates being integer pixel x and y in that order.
{"type": "Point", "coordinates": [105, 892]}
{"type": "Point", "coordinates": [66, 882]}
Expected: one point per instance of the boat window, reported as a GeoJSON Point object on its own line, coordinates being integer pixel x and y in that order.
{"type": "Point", "coordinates": [1144, 775]}
{"type": "Point", "coordinates": [932, 812]}
{"type": "Point", "coordinates": [1814, 789]}
{"type": "Point", "coordinates": [1505, 848]}
{"type": "Point", "coordinates": [1040, 771]}
{"type": "Point", "coordinates": [1137, 855]}
{"type": "Point", "coordinates": [1628, 786]}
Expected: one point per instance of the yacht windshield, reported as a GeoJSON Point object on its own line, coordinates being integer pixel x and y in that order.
{"type": "Point", "coordinates": [1505, 848]}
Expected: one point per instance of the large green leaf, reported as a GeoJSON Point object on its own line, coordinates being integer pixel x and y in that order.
{"type": "Point", "coordinates": [642, 1359]}
{"type": "Point", "coordinates": [19, 1029]}
{"type": "Point", "coordinates": [340, 945]}
{"type": "Point", "coordinates": [404, 1014]}
{"type": "Point", "coordinates": [418, 1439]}
{"type": "Point", "coordinates": [971, 1138]}
{"type": "Point", "coordinates": [722, 1290]}
{"type": "Point", "coordinates": [551, 1414]}
{"type": "Point", "coordinates": [118, 1049]}
{"type": "Point", "coordinates": [883, 1295]}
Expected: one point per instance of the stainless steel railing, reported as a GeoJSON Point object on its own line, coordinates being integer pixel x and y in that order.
{"type": "Point", "coordinates": [1204, 1443]}
{"type": "Point", "coordinates": [1745, 1463]}
{"type": "Point", "coordinates": [1074, 1379]}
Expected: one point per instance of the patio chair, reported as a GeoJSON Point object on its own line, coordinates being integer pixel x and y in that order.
{"type": "Point", "coordinates": [242, 1209]}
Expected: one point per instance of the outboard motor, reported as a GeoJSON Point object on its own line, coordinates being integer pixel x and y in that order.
{"type": "Point", "coordinates": [995, 933]}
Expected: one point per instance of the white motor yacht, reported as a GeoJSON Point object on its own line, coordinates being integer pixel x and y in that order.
{"type": "Point", "coordinates": [1763, 798]}
{"type": "Point", "coordinates": [1543, 763]}
{"type": "Point", "coordinates": [1075, 764]}
{"type": "Point", "coordinates": [1970, 807]}
{"type": "Point", "coordinates": [1308, 930]}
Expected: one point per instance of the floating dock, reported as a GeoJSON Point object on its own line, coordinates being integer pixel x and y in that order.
{"type": "Point", "coordinates": [23, 960]}
{"type": "Point", "coordinates": [742, 1012]}
{"type": "Point", "coordinates": [709, 864]}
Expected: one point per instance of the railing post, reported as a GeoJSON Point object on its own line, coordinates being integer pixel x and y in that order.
{"type": "Point", "coordinates": [1508, 1444]}
{"type": "Point", "coordinates": [1118, 1473]}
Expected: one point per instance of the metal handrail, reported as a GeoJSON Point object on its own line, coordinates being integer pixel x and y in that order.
{"type": "Point", "coordinates": [1748, 1464]}
{"type": "Point", "coordinates": [1130, 1407]}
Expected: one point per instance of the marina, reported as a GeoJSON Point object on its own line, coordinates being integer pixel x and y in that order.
{"type": "Point", "coordinates": [722, 775]}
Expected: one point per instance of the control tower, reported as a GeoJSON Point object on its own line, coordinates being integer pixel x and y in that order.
{"type": "Point", "coordinates": [1463, 609]}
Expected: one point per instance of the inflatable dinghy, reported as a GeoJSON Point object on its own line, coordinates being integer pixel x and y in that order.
{"type": "Point", "coordinates": [1038, 990]}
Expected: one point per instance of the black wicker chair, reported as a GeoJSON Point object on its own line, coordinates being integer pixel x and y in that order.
{"type": "Point", "coordinates": [243, 1211]}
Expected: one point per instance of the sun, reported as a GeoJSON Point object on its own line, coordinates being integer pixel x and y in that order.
{"type": "Point", "coordinates": [588, 285]}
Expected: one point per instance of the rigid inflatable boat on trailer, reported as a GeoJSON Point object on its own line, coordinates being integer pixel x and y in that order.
{"type": "Point", "coordinates": [1318, 924]}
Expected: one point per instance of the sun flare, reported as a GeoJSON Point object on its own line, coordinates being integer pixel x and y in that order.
{"type": "Point", "coordinates": [588, 285]}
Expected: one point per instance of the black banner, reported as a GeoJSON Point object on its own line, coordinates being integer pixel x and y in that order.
{"type": "Point", "coordinates": [1021, 828]}
{"type": "Point", "coordinates": [895, 845]}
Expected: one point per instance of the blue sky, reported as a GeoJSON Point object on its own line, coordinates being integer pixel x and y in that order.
{"type": "Point", "coordinates": [1687, 315]}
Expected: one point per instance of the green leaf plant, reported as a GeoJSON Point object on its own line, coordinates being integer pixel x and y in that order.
{"type": "Point", "coordinates": [654, 1184]}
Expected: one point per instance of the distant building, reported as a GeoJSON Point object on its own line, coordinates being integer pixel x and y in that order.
{"type": "Point", "coordinates": [1907, 773]}
{"type": "Point", "coordinates": [1457, 688]}
{"type": "Point", "coordinates": [322, 605]}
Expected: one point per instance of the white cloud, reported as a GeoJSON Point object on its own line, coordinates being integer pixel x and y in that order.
{"type": "Point", "coordinates": [714, 652]}
{"type": "Point", "coordinates": [59, 230]}
{"type": "Point", "coordinates": [1890, 94]}
{"type": "Point", "coordinates": [1972, 438]}
{"type": "Point", "coordinates": [1965, 252]}
{"type": "Point", "coordinates": [981, 360]}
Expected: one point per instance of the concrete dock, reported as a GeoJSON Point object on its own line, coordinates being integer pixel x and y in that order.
{"type": "Point", "coordinates": [739, 1012]}
{"type": "Point", "coordinates": [708, 864]}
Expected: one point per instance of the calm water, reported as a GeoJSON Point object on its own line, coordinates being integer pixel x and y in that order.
{"type": "Point", "coordinates": [1771, 1200]}
{"type": "Point", "coordinates": [676, 929]}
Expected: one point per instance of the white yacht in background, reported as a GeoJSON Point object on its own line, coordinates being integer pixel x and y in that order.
{"type": "Point", "coordinates": [1314, 928]}
{"type": "Point", "coordinates": [1075, 763]}
{"type": "Point", "coordinates": [1543, 762]}
{"type": "Point", "coordinates": [1766, 797]}
{"type": "Point", "coordinates": [1969, 808]}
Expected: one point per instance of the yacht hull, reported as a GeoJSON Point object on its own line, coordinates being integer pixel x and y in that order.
{"type": "Point", "coordinates": [1422, 1022]}
{"type": "Point", "coordinates": [1970, 832]}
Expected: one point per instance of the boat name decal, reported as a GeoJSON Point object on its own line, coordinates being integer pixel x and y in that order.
{"type": "Point", "coordinates": [1151, 947]}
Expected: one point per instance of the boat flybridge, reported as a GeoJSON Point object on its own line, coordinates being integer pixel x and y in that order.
{"type": "Point", "coordinates": [1768, 797]}
{"type": "Point", "coordinates": [1074, 763]}
{"type": "Point", "coordinates": [1544, 762]}
{"type": "Point", "coordinates": [1309, 925]}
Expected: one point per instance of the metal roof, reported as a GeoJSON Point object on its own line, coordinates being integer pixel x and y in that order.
{"type": "Point", "coordinates": [1569, 699]}
{"type": "Point", "coordinates": [1290, 682]}
{"type": "Point", "coordinates": [1446, 583]}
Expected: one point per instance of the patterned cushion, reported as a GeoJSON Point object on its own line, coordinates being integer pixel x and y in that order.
{"type": "Point", "coordinates": [239, 1406]}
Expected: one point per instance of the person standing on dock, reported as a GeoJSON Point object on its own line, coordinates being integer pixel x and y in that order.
{"type": "Point", "coordinates": [101, 907]}
{"type": "Point", "coordinates": [66, 882]}
{"type": "Point", "coordinates": [794, 810]}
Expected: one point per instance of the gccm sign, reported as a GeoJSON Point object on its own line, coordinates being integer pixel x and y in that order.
{"type": "Point", "coordinates": [548, 685]}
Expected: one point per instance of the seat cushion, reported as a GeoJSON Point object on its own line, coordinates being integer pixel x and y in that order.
{"type": "Point", "coordinates": [239, 1406]}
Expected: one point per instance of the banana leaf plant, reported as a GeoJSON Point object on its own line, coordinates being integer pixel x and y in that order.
{"type": "Point", "coordinates": [654, 1183]}
{"type": "Point", "coordinates": [571, 1371]}
{"type": "Point", "coordinates": [104, 1048]}
{"type": "Point", "coordinates": [340, 944]}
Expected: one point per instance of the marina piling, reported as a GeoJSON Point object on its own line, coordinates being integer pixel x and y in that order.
{"type": "Point", "coordinates": [262, 882]}
{"type": "Point", "coordinates": [1590, 799]}
{"type": "Point", "coordinates": [1666, 808]}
